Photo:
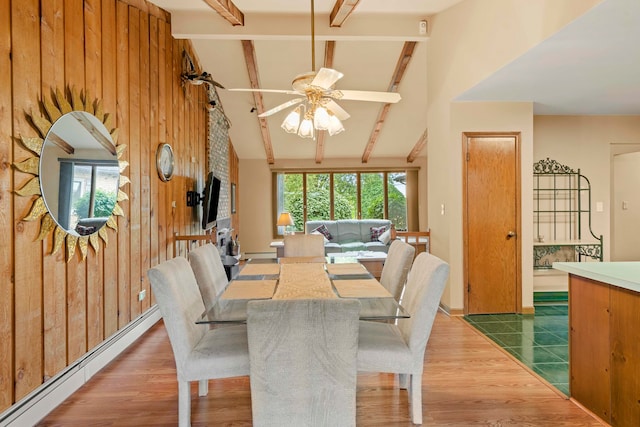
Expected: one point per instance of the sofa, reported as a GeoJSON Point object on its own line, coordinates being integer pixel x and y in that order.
{"type": "Point", "coordinates": [348, 235]}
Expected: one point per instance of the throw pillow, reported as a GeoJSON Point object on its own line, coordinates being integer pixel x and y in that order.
{"type": "Point", "coordinates": [323, 236]}
{"type": "Point", "coordinates": [376, 232]}
{"type": "Point", "coordinates": [324, 231]}
{"type": "Point", "coordinates": [385, 237]}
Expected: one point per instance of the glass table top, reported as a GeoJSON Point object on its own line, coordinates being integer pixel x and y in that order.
{"type": "Point", "coordinates": [235, 310]}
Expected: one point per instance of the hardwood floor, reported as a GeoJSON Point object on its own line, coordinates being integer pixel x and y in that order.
{"type": "Point", "coordinates": [467, 381]}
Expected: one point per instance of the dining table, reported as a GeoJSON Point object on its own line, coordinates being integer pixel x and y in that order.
{"type": "Point", "coordinates": [303, 278]}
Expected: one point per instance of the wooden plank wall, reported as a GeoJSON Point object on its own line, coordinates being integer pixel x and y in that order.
{"type": "Point", "coordinates": [122, 52]}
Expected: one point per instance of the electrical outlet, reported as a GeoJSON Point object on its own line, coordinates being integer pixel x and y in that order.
{"type": "Point", "coordinates": [142, 294]}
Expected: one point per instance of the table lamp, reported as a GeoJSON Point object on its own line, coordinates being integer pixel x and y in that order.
{"type": "Point", "coordinates": [285, 220]}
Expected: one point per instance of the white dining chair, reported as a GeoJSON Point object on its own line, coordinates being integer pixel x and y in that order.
{"type": "Point", "coordinates": [200, 353]}
{"type": "Point", "coordinates": [385, 347]}
{"type": "Point", "coordinates": [303, 361]}
{"type": "Point", "coordinates": [396, 267]}
{"type": "Point", "coordinates": [303, 245]}
{"type": "Point", "coordinates": [209, 271]}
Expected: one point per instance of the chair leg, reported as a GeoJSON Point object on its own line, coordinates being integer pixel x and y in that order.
{"type": "Point", "coordinates": [203, 387]}
{"type": "Point", "coordinates": [403, 379]}
{"type": "Point", "coordinates": [184, 404]}
{"type": "Point", "coordinates": [415, 398]}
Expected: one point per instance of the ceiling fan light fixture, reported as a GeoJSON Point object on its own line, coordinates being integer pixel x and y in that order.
{"type": "Point", "coordinates": [321, 118]}
{"type": "Point", "coordinates": [335, 125]}
{"type": "Point", "coordinates": [306, 128]}
{"type": "Point", "coordinates": [291, 123]}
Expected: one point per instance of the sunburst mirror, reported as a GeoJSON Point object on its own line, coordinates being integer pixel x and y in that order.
{"type": "Point", "coordinates": [77, 173]}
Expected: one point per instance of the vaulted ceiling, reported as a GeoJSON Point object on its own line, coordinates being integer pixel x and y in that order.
{"type": "Point", "coordinates": [375, 43]}
{"type": "Point", "coordinates": [592, 66]}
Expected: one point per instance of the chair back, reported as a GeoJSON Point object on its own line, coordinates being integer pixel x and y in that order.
{"type": "Point", "coordinates": [303, 245]}
{"type": "Point", "coordinates": [303, 361]}
{"type": "Point", "coordinates": [209, 271]}
{"type": "Point", "coordinates": [176, 292]}
{"type": "Point", "coordinates": [396, 267]}
{"type": "Point", "coordinates": [422, 293]}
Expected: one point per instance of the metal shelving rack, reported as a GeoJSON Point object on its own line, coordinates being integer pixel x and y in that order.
{"type": "Point", "coordinates": [562, 206]}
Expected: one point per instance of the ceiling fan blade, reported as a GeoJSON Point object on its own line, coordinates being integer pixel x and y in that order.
{"type": "Point", "coordinates": [281, 107]}
{"type": "Point", "coordinates": [288, 92]}
{"type": "Point", "coordinates": [337, 110]}
{"type": "Point", "coordinates": [326, 77]}
{"type": "Point", "coordinates": [363, 95]}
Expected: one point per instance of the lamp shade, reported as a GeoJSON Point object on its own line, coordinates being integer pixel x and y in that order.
{"type": "Point", "coordinates": [284, 219]}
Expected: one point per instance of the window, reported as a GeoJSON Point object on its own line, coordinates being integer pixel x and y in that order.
{"type": "Point", "coordinates": [345, 196]}
{"type": "Point", "coordinates": [309, 196]}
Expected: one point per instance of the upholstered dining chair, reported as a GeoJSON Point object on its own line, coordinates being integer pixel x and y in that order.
{"type": "Point", "coordinates": [303, 361]}
{"type": "Point", "coordinates": [209, 271]}
{"type": "Point", "coordinates": [396, 267]}
{"type": "Point", "coordinates": [200, 353]}
{"type": "Point", "coordinates": [385, 347]}
{"type": "Point", "coordinates": [303, 245]}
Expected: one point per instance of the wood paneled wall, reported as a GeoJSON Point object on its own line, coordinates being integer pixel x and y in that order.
{"type": "Point", "coordinates": [120, 51]}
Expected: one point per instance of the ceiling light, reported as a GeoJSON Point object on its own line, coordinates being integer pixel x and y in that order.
{"type": "Point", "coordinates": [291, 123]}
{"type": "Point", "coordinates": [306, 127]}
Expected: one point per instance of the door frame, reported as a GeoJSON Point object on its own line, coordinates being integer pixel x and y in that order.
{"type": "Point", "coordinates": [465, 220]}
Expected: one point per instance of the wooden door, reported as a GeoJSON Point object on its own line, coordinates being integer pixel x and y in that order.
{"type": "Point", "coordinates": [491, 215]}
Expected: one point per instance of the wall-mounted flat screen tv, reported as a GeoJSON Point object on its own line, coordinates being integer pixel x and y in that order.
{"type": "Point", "coordinates": [210, 202]}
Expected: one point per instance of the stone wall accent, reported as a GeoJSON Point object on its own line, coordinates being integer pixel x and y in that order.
{"type": "Point", "coordinates": [218, 151]}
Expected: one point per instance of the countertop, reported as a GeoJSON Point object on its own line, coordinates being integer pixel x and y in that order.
{"type": "Point", "coordinates": [624, 275]}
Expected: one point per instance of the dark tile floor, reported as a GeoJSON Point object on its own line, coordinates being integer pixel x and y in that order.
{"type": "Point", "coordinates": [540, 341]}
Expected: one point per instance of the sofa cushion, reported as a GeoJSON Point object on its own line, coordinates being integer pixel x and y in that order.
{"type": "Point", "coordinates": [331, 226]}
{"type": "Point", "coordinates": [349, 231]}
{"type": "Point", "coordinates": [385, 237]}
{"type": "Point", "coordinates": [376, 232]}
{"type": "Point", "coordinates": [366, 224]}
{"type": "Point", "coordinates": [376, 247]}
{"type": "Point", "coordinates": [324, 231]}
{"type": "Point", "coordinates": [331, 248]}
{"type": "Point", "coordinates": [353, 246]}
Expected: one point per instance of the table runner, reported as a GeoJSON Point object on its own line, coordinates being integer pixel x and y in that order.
{"type": "Point", "coordinates": [249, 289]}
{"type": "Point", "coordinates": [361, 288]}
{"type": "Point", "coordinates": [303, 281]}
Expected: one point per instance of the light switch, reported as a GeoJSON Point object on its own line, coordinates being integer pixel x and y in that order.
{"type": "Point", "coordinates": [599, 207]}
{"type": "Point", "coordinates": [625, 205]}
{"type": "Point", "coordinates": [442, 209]}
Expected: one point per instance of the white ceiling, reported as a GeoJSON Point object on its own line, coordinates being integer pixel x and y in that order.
{"type": "Point", "coordinates": [590, 67]}
{"type": "Point", "coordinates": [570, 73]}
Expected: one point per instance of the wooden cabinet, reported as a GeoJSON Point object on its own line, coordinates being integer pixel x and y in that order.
{"type": "Point", "coordinates": [604, 350]}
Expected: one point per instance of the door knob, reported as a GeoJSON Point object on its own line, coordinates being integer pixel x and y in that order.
{"type": "Point", "coordinates": [511, 234]}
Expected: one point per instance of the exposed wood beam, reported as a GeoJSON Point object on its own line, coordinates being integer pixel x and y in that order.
{"type": "Point", "coordinates": [201, 24]}
{"type": "Point", "coordinates": [252, 70]}
{"type": "Point", "coordinates": [64, 145]}
{"type": "Point", "coordinates": [95, 133]}
{"type": "Point", "coordinates": [401, 67]}
{"type": "Point", "coordinates": [329, 50]}
{"type": "Point", "coordinates": [415, 151]}
{"type": "Point", "coordinates": [341, 11]}
{"type": "Point", "coordinates": [227, 10]}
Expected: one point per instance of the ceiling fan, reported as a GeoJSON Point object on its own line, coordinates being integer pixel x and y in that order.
{"type": "Point", "coordinates": [317, 104]}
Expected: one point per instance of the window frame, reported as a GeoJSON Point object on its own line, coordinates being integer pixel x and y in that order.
{"type": "Point", "coordinates": [277, 201]}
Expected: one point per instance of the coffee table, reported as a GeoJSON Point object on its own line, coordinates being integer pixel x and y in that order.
{"type": "Point", "coordinates": [372, 261]}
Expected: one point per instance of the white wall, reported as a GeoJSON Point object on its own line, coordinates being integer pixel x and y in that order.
{"type": "Point", "coordinates": [467, 43]}
{"type": "Point", "coordinates": [626, 208]}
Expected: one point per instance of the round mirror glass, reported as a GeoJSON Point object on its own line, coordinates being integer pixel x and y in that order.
{"type": "Point", "coordinates": [79, 173]}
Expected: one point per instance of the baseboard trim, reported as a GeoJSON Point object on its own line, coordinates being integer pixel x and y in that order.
{"type": "Point", "coordinates": [37, 404]}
